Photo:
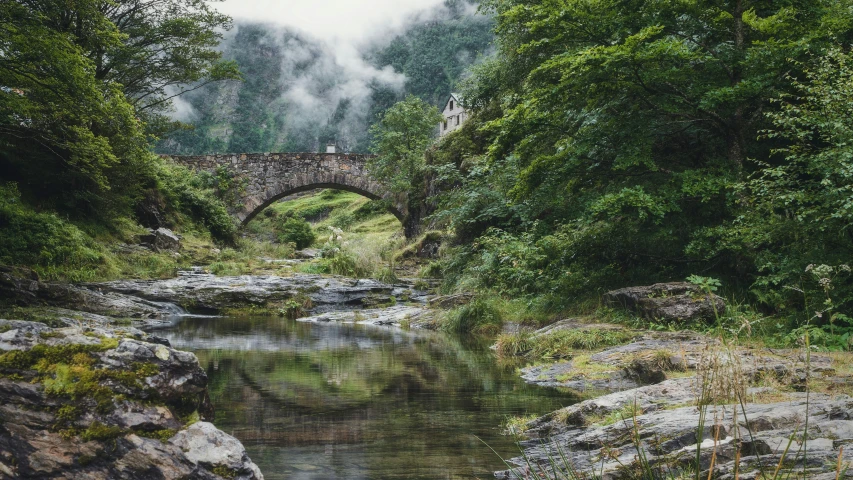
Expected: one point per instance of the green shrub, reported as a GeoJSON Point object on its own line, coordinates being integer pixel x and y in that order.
{"type": "Point", "coordinates": [193, 196]}
{"type": "Point", "coordinates": [55, 248]}
{"type": "Point", "coordinates": [481, 315]}
{"type": "Point", "coordinates": [297, 231]}
{"type": "Point", "coordinates": [371, 209]}
{"type": "Point", "coordinates": [331, 193]}
{"type": "Point", "coordinates": [342, 219]}
{"type": "Point", "coordinates": [314, 213]}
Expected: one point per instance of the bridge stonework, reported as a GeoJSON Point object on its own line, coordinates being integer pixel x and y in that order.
{"type": "Point", "coordinates": [263, 178]}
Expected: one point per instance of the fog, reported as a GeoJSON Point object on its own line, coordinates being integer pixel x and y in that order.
{"type": "Point", "coordinates": [309, 64]}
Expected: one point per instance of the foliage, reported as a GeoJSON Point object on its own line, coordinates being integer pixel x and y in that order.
{"type": "Point", "coordinates": [44, 241]}
{"type": "Point", "coordinates": [561, 343]}
{"type": "Point", "coordinates": [481, 315]}
{"type": "Point", "coordinates": [81, 84]}
{"type": "Point", "coordinates": [296, 231]}
{"type": "Point", "coordinates": [620, 143]}
{"type": "Point", "coordinates": [193, 196]}
{"type": "Point", "coordinates": [401, 138]}
{"type": "Point", "coordinates": [802, 208]}
{"type": "Point", "coordinates": [62, 131]}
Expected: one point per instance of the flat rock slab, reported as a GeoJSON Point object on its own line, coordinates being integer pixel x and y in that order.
{"type": "Point", "coordinates": [377, 316]}
{"type": "Point", "coordinates": [668, 435]}
{"type": "Point", "coordinates": [209, 293]}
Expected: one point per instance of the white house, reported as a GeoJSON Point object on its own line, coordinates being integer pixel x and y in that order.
{"type": "Point", "coordinates": [454, 115]}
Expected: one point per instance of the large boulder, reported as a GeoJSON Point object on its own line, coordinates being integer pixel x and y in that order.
{"type": "Point", "coordinates": [161, 240]}
{"type": "Point", "coordinates": [102, 404]}
{"type": "Point", "coordinates": [668, 301]}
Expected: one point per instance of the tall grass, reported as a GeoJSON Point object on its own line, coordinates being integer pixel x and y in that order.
{"type": "Point", "coordinates": [720, 381]}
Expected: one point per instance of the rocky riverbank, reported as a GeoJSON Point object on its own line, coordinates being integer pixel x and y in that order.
{"type": "Point", "coordinates": [662, 405]}
{"type": "Point", "coordinates": [150, 300]}
{"type": "Point", "coordinates": [84, 393]}
{"type": "Point", "coordinates": [105, 403]}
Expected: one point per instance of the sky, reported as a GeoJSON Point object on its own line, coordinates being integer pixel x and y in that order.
{"type": "Point", "coordinates": [336, 21]}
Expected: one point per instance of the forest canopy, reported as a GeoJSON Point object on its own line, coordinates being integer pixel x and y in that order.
{"type": "Point", "coordinates": [620, 143]}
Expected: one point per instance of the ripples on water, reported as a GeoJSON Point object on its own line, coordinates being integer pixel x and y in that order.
{"type": "Point", "coordinates": [334, 401]}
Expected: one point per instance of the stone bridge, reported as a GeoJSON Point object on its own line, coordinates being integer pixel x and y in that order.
{"type": "Point", "coordinates": [260, 179]}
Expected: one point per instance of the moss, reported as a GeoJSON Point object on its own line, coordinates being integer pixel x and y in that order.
{"type": "Point", "coordinates": [68, 413]}
{"type": "Point", "coordinates": [192, 418]}
{"type": "Point", "coordinates": [224, 472]}
{"type": "Point", "coordinates": [68, 371]}
{"type": "Point", "coordinates": [99, 432]}
{"type": "Point", "coordinates": [44, 355]}
{"type": "Point", "coordinates": [163, 435]}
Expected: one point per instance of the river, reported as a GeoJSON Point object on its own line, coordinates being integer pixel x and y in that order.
{"type": "Point", "coordinates": [341, 401]}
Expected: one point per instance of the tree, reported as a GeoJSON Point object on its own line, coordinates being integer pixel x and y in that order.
{"type": "Point", "coordinates": [81, 83]}
{"type": "Point", "coordinates": [401, 139]}
{"type": "Point", "coordinates": [803, 201]}
{"type": "Point", "coordinates": [626, 132]}
{"type": "Point", "coordinates": [155, 49]}
{"type": "Point", "coordinates": [55, 116]}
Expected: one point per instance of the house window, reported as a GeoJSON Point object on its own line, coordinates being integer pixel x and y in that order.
{"type": "Point", "coordinates": [445, 124]}
{"type": "Point", "coordinates": [457, 119]}
{"type": "Point", "coordinates": [451, 105]}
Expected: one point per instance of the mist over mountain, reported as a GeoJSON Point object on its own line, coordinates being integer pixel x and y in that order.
{"type": "Point", "coordinates": [301, 92]}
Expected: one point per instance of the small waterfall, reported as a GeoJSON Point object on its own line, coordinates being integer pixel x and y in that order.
{"type": "Point", "coordinates": [170, 309]}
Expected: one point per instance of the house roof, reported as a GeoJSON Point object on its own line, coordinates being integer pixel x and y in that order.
{"type": "Point", "coordinates": [454, 95]}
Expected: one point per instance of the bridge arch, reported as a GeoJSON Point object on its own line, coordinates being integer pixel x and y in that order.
{"type": "Point", "coordinates": [260, 179]}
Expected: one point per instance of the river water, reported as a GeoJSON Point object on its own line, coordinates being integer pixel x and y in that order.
{"type": "Point", "coordinates": [333, 401]}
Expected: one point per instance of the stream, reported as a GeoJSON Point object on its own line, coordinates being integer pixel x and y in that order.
{"type": "Point", "coordinates": [353, 401]}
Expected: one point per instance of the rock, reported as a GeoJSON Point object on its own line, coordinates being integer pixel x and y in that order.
{"type": "Point", "coordinates": [22, 287]}
{"type": "Point", "coordinates": [161, 239]}
{"type": "Point", "coordinates": [668, 301]}
{"type": "Point", "coordinates": [307, 254]}
{"type": "Point", "coordinates": [379, 316]}
{"type": "Point", "coordinates": [205, 445]}
{"type": "Point", "coordinates": [19, 285]}
{"type": "Point", "coordinates": [149, 209]}
{"type": "Point", "coordinates": [668, 436]}
{"type": "Point", "coordinates": [447, 302]}
{"type": "Point", "coordinates": [598, 435]}
{"type": "Point", "coordinates": [132, 390]}
{"type": "Point", "coordinates": [212, 294]}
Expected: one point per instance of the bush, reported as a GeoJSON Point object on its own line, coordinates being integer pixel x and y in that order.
{"type": "Point", "coordinates": [297, 231]}
{"type": "Point", "coordinates": [482, 315]}
{"type": "Point", "coordinates": [331, 194]}
{"type": "Point", "coordinates": [53, 247]}
{"type": "Point", "coordinates": [314, 213]}
{"type": "Point", "coordinates": [192, 197]}
{"type": "Point", "coordinates": [342, 219]}
{"type": "Point", "coordinates": [370, 209]}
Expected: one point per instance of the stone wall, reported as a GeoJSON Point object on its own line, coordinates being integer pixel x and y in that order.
{"type": "Point", "coordinates": [263, 178]}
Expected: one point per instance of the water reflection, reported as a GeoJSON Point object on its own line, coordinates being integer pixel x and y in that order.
{"type": "Point", "coordinates": [335, 401]}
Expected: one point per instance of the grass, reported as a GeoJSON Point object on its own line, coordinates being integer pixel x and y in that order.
{"type": "Point", "coordinates": [516, 426]}
{"type": "Point", "coordinates": [369, 235]}
{"type": "Point", "coordinates": [562, 343]}
{"type": "Point", "coordinates": [722, 381]}
{"type": "Point", "coordinates": [584, 367]}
